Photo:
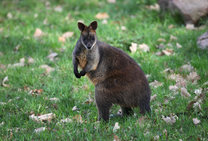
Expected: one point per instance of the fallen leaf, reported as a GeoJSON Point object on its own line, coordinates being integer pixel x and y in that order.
{"type": "Point", "coordinates": [169, 45]}
{"type": "Point", "coordinates": [116, 127]}
{"type": "Point", "coordinates": [104, 21]}
{"type": "Point", "coordinates": [17, 48]}
{"type": "Point", "coordinates": [148, 76]}
{"type": "Point", "coordinates": [160, 46]}
{"type": "Point", "coordinates": [31, 60]}
{"type": "Point", "coordinates": [54, 99]}
{"type": "Point", "coordinates": [52, 56]}
{"type": "Point", "coordinates": [26, 88]}
{"type": "Point", "coordinates": [47, 3]}
{"type": "Point", "coordinates": [193, 77]}
{"type": "Point", "coordinates": [170, 120]}
{"type": "Point", "coordinates": [45, 22]}
{"type": "Point", "coordinates": [178, 45]}
{"type": "Point", "coordinates": [9, 15]}
{"type": "Point", "coordinates": [173, 38]}
{"type": "Point", "coordinates": [190, 26]}
{"type": "Point", "coordinates": [198, 91]}
{"type": "Point", "coordinates": [167, 52]}
{"type": "Point", "coordinates": [2, 103]}
{"type": "Point", "coordinates": [159, 53]}
{"type": "Point", "coordinates": [38, 33]}
{"type": "Point", "coordinates": [65, 36]}
{"type": "Point", "coordinates": [161, 40]}
{"type": "Point", "coordinates": [41, 129]}
{"type": "Point", "coordinates": [156, 84]}
{"type": "Point", "coordinates": [197, 105]}
{"type": "Point", "coordinates": [147, 133]}
{"type": "Point", "coordinates": [156, 138]}
{"type": "Point", "coordinates": [47, 68]}
{"type": "Point", "coordinates": [102, 16]}
{"type": "Point", "coordinates": [74, 108]}
{"type": "Point", "coordinates": [187, 68]}
{"type": "Point", "coordinates": [2, 123]}
{"type": "Point", "coordinates": [205, 83]}
{"type": "Point", "coordinates": [155, 7]}
{"type": "Point", "coordinates": [42, 118]}
{"type": "Point", "coordinates": [115, 138]}
{"type": "Point", "coordinates": [62, 121]}
{"type": "Point", "coordinates": [153, 97]}
{"type": "Point", "coordinates": [67, 120]}
{"type": "Point", "coordinates": [173, 88]}
{"type": "Point", "coordinates": [89, 100]}
{"type": "Point", "coordinates": [35, 15]}
{"type": "Point", "coordinates": [184, 92]}
{"type": "Point", "coordinates": [166, 100]}
{"type": "Point", "coordinates": [6, 79]}
{"type": "Point", "coordinates": [175, 77]}
{"type": "Point", "coordinates": [168, 70]}
{"type": "Point", "coordinates": [36, 92]}
{"type": "Point", "coordinates": [78, 118]}
{"type": "Point", "coordinates": [62, 39]}
{"type": "Point", "coordinates": [144, 47]}
{"type": "Point", "coordinates": [180, 81]}
{"type": "Point", "coordinates": [171, 26]}
{"type": "Point", "coordinates": [123, 28]}
{"type": "Point", "coordinates": [196, 121]}
{"type": "Point", "coordinates": [111, 1]}
{"type": "Point", "coordinates": [133, 47]}
{"type": "Point", "coordinates": [165, 132]}
{"type": "Point", "coordinates": [58, 8]}
{"type": "Point", "coordinates": [1, 29]}
{"type": "Point", "coordinates": [20, 64]}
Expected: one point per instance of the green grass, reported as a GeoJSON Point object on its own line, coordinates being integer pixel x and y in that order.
{"type": "Point", "coordinates": [143, 26]}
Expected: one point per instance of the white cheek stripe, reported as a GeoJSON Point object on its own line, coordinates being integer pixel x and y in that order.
{"type": "Point", "coordinates": [86, 46]}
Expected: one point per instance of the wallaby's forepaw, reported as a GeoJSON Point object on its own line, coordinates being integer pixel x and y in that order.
{"type": "Point", "coordinates": [82, 73]}
{"type": "Point", "coordinates": [77, 75]}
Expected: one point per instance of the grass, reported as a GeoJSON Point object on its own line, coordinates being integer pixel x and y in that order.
{"type": "Point", "coordinates": [143, 26]}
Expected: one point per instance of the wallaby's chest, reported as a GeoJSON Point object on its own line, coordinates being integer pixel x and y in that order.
{"type": "Point", "coordinates": [82, 57]}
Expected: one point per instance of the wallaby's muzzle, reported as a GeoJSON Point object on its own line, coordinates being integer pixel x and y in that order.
{"type": "Point", "coordinates": [89, 43]}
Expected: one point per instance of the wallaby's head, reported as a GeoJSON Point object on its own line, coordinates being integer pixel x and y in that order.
{"type": "Point", "coordinates": [88, 34]}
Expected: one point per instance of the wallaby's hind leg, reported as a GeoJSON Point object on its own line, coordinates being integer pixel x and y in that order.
{"type": "Point", "coordinates": [144, 106]}
{"type": "Point", "coordinates": [103, 106]}
{"type": "Point", "coordinates": [126, 111]}
{"type": "Point", "coordinates": [103, 113]}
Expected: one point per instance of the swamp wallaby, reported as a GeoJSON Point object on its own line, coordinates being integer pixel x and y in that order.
{"type": "Point", "coordinates": [118, 79]}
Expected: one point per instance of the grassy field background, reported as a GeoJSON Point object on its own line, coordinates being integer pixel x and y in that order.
{"type": "Point", "coordinates": [29, 87]}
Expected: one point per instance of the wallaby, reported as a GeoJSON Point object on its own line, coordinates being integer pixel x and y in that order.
{"type": "Point", "coordinates": [118, 79]}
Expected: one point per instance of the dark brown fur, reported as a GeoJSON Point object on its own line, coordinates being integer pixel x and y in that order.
{"type": "Point", "coordinates": [118, 79]}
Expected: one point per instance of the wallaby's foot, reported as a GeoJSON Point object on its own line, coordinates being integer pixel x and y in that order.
{"type": "Point", "coordinates": [77, 75]}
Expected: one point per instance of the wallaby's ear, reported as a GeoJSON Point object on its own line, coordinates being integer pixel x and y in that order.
{"type": "Point", "coordinates": [81, 26]}
{"type": "Point", "coordinates": [94, 25]}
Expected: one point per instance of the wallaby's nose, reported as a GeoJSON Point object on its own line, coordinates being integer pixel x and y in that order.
{"type": "Point", "coordinates": [88, 46]}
